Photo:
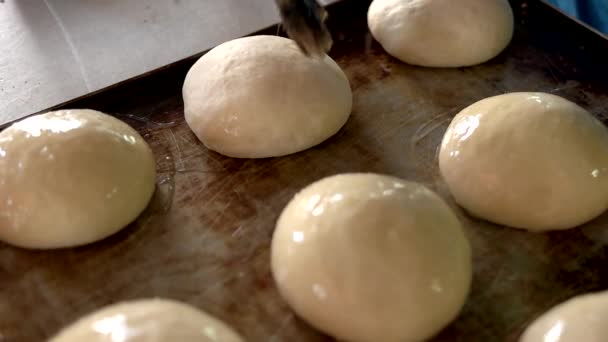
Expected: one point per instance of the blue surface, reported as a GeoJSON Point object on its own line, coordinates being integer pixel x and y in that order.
{"type": "Point", "coordinates": [592, 12]}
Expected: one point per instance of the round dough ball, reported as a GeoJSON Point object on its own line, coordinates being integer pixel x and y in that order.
{"type": "Point", "coordinates": [147, 320]}
{"type": "Point", "coordinates": [368, 258]}
{"type": "Point", "coordinates": [582, 318]}
{"type": "Point", "coordinates": [71, 177]}
{"type": "Point", "coordinates": [442, 33]}
{"type": "Point", "coordinates": [534, 161]}
{"type": "Point", "coordinates": [259, 96]}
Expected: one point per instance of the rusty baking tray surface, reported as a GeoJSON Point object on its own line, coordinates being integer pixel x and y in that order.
{"type": "Point", "coordinates": [205, 238]}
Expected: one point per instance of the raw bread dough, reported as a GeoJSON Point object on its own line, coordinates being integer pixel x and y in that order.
{"type": "Point", "coordinates": [527, 160]}
{"type": "Point", "coordinates": [582, 318]}
{"type": "Point", "coordinates": [71, 177]}
{"type": "Point", "coordinates": [259, 97]}
{"type": "Point", "coordinates": [368, 258]}
{"type": "Point", "coordinates": [442, 33]}
{"type": "Point", "coordinates": [147, 320]}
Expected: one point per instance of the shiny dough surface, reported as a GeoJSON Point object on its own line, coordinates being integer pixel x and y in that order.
{"type": "Point", "coordinates": [582, 318]}
{"type": "Point", "coordinates": [368, 257]}
{"type": "Point", "coordinates": [71, 177]}
{"type": "Point", "coordinates": [148, 320]}
{"type": "Point", "coordinates": [534, 161]}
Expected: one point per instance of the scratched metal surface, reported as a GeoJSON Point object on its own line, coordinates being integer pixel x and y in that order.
{"type": "Point", "coordinates": [205, 238]}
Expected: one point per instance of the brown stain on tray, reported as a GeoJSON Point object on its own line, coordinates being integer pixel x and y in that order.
{"type": "Point", "coordinates": [205, 238]}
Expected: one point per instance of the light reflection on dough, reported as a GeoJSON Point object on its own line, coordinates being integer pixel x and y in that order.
{"type": "Point", "coordinates": [336, 198]}
{"type": "Point", "coordinates": [554, 334]}
{"type": "Point", "coordinates": [114, 326]}
{"type": "Point", "coordinates": [465, 128]}
{"type": "Point", "coordinates": [312, 202]}
{"type": "Point", "coordinates": [319, 291]}
{"type": "Point", "coordinates": [53, 124]}
{"type": "Point", "coordinates": [298, 237]}
{"type": "Point", "coordinates": [436, 285]}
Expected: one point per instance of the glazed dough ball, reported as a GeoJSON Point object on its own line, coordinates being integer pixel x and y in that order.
{"type": "Point", "coordinates": [368, 258]}
{"type": "Point", "coordinates": [527, 160]}
{"type": "Point", "coordinates": [147, 320]}
{"type": "Point", "coordinates": [582, 318]}
{"type": "Point", "coordinates": [259, 97]}
{"type": "Point", "coordinates": [442, 33]}
{"type": "Point", "coordinates": [71, 177]}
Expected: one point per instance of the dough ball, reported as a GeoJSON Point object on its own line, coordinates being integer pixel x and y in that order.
{"type": "Point", "coordinates": [527, 160]}
{"type": "Point", "coordinates": [71, 177]}
{"type": "Point", "coordinates": [442, 33]}
{"type": "Point", "coordinates": [259, 96]}
{"type": "Point", "coordinates": [368, 258]}
{"type": "Point", "coordinates": [147, 320]}
{"type": "Point", "coordinates": [580, 319]}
